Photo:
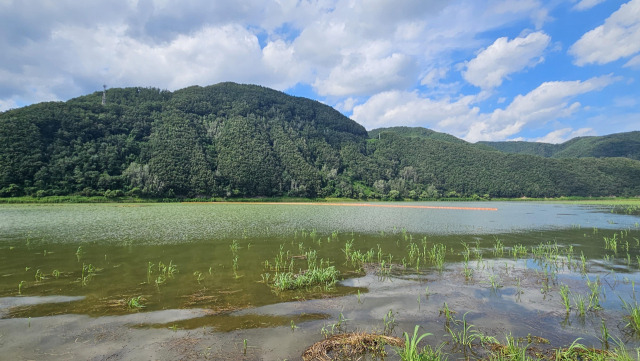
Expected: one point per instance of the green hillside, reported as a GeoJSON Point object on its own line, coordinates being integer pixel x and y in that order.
{"type": "Point", "coordinates": [231, 140]}
{"type": "Point", "coordinates": [416, 132]}
{"type": "Point", "coordinates": [625, 145]}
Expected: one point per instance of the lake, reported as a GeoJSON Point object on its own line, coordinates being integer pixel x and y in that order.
{"type": "Point", "coordinates": [198, 280]}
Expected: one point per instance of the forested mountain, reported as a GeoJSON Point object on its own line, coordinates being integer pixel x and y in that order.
{"type": "Point", "coordinates": [614, 145]}
{"type": "Point", "coordinates": [416, 132]}
{"type": "Point", "coordinates": [230, 140]}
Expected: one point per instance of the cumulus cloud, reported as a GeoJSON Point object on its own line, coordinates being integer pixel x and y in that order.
{"type": "Point", "coordinates": [618, 37]}
{"type": "Point", "coordinates": [57, 50]}
{"type": "Point", "coordinates": [410, 108]}
{"type": "Point", "coordinates": [461, 117]}
{"type": "Point", "coordinates": [504, 57]}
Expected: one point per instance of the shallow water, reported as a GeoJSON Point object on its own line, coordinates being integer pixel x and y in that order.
{"type": "Point", "coordinates": [217, 297]}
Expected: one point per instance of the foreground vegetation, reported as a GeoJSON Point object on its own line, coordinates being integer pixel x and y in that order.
{"type": "Point", "coordinates": [230, 140]}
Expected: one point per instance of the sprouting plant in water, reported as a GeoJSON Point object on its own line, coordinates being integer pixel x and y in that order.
{"type": "Point", "coordinates": [410, 352]}
{"type": "Point", "coordinates": [234, 247]}
{"type": "Point", "coordinates": [149, 271]}
{"type": "Point", "coordinates": [39, 276]}
{"type": "Point", "coordinates": [244, 346]}
{"type": "Point", "coordinates": [581, 304]}
{"type": "Point", "coordinates": [20, 287]}
{"type": "Point", "coordinates": [448, 313]}
{"type": "Point", "coordinates": [160, 280]}
{"type": "Point", "coordinates": [55, 273]}
{"type": "Point", "coordinates": [293, 326]}
{"type": "Point", "coordinates": [199, 276]}
{"type": "Point", "coordinates": [79, 253]}
{"type": "Point", "coordinates": [604, 332]}
{"type": "Point", "coordinates": [389, 321]}
{"type": "Point", "coordinates": [468, 272]}
{"type": "Point", "coordinates": [594, 297]}
{"type": "Point", "coordinates": [88, 271]}
{"type": "Point", "coordinates": [466, 335]}
{"type": "Point", "coordinates": [135, 303]}
{"type": "Point", "coordinates": [564, 294]}
{"type": "Point", "coordinates": [495, 282]}
{"type": "Point", "coordinates": [498, 247]}
{"type": "Point", "coordinates": [633, 315]}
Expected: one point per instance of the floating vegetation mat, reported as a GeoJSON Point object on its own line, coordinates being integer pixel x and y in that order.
{"type": "Point", "coordinates": [349, 345]}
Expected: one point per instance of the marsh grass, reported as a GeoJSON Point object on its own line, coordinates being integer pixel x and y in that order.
{"type": "Point", "coordinates": [325, 276]}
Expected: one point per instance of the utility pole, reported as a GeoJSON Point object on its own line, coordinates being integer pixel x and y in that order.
{"type": "Point", "coordinates": [104, 94]}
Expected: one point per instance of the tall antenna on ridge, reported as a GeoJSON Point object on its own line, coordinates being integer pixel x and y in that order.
{"type": "Point", "coordinates": [104, 94]}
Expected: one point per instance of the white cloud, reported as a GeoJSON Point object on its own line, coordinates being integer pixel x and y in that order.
{"type": "Point", "coordinates": [362, 74]}
{"type": "Point", "coordinates": [410, 108]}
{"type": "Point", "coordinates": [564, 134]}
{"type": "Point", "coordinates": [347, 105]}
{"type": "Point", "coordinates": [504, 57]}
{"type": "Point", "coordinates": [633, 62]}
{"type": "Point", "coordinates": [7, 104]}
{"type": "Point", "coordinates": [549, 101]}
{"type": "Point", "coordinates": [433, 76]}
{"type": "Point", "coordinates": [586, 4]}
{"type": "Point", "coordinates": [618, 37]}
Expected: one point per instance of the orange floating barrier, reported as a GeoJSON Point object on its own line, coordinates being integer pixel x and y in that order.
{"type": "Point", "coordinates": [366, 205]}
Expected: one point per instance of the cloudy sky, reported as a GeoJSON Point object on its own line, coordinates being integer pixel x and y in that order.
{"type": "Point", "coordinates": [478, 69]}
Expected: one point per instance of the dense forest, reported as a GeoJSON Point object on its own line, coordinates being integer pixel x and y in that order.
{"type": "Point", "coordinates": [231, 140]}
{"type": "Point", "coordinates": [614, 145]}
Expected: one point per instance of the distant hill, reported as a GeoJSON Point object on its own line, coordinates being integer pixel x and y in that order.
{"type": "Point", "coordinates": [232, 140]}
{"type": "Point", "coordinates": [625, 145]}
{"type": "Point", "coordinates": [417, 132]}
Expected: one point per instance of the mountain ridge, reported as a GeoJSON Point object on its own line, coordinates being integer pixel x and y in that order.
{"type": "Point", "coordinates": [234, 140]}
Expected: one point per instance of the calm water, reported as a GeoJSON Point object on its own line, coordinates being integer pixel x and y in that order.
{"type": "Point", "coordinates": [67, 273]}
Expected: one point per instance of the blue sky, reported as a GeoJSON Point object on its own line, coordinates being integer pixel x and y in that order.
{"type": "Point", "coordinates": [478, 69]}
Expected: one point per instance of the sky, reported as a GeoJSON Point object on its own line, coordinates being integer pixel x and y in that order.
{"type": "Point", "coordinates": [478, 69]}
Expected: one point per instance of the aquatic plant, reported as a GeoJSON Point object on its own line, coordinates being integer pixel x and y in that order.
{"type": "Point", "coordinates": [88, 271]}
{"type": "Point", "coordinates": [512, 351]}
{"type": "Point", "coordinates": [317, 276]}
{"type": "Point", "coordinates": [594, 297]}
{"type": "Point", "coordinates": [498, 247]}
{"type": "Point", "coordinates": [581, 304]}
{"type": "Point", "coordinates": [135, 303]}
{"type": "Point", "coordinates": [564, 295]}
{"type": "Point", "coordinates": [410, 350]}
{"type": "Point", "coordinates": [20, 287]}
{"type": "Point", "coordinates": [39, 276]}
{"type": "Point", "coordinates": [633, 315]}
{"type": "Point", "coordinates": [448, 314]}
{"type": "Point", "coordinates": [199, 276]}
{"type": "Point", "coordinates": [234, 247]}
{"type": "Point", "coordinates": [604, 335]}
{"type": "Point", "coordinates": [389, 321]}
{"type": "Point", "coordinates": [494, 282]}
{"type": "Point", "coordinates": [79, 253]}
